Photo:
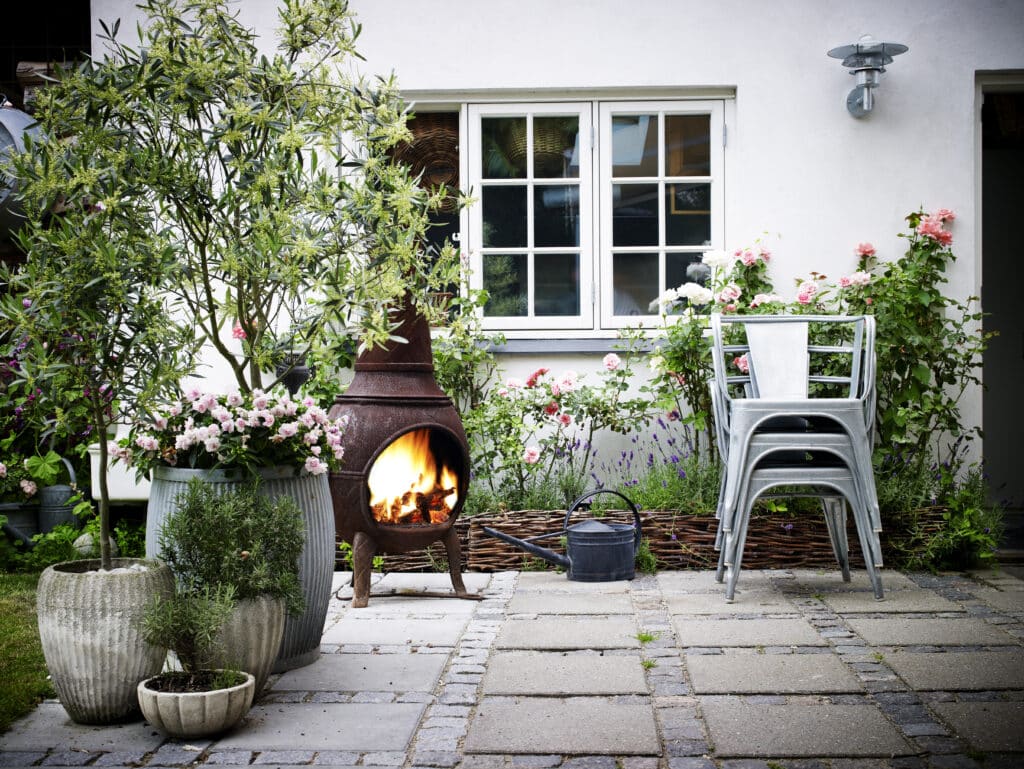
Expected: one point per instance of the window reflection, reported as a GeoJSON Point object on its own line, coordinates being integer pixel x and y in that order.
{"type": "Point", "coordinates": [505, 276]}
{"type": "Point", "coordinates": [504, 216]}
{"type": "Point", "coordinates": [634, 145]}
{"type": "Point", "coordinates": [634, 282]}
{"type": "Point", "coordinates": [635, 215]}
{"type": "Point", "coordinates": [556, 284]}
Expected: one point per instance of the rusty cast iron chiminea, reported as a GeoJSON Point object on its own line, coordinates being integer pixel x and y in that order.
{"type": "Point", "coordinates": [397, 414]}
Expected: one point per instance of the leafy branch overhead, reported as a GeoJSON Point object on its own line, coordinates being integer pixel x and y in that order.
{"type": "Point", "coordinates": [267, 175]}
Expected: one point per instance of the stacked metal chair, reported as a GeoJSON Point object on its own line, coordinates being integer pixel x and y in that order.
{"type": "Point", "coordinates": [787, 423]}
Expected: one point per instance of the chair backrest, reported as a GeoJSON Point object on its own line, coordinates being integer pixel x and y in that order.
{"type": "Point", "coordinates": [792, 357]}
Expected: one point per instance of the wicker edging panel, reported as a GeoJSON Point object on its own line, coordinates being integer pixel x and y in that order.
{"type": "Point", "coordinates": [677, 540]}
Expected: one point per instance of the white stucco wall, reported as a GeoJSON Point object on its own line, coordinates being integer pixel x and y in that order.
{"type": "Point", "coordinates": [797, 164]}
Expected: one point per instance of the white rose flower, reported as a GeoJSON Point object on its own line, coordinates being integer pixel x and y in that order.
{"type": "Point", "coordinates": [718, 258]}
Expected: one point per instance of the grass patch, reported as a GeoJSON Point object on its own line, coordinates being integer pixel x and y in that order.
{"type": "Point", "coordinates": [24, 682]}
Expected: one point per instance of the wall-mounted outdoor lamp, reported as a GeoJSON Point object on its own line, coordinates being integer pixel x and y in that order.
{"type": "Point", "coordinates": [866, 59]}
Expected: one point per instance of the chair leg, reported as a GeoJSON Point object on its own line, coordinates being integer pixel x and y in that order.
{"type": "Point", "coordinates": [867, 537]}
{"type": "Point", "coordinates": [834, 509]}
{"type": "Point", "coordinates": [735, 542]}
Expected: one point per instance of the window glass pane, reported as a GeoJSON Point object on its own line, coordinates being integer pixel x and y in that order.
{"type": "Point", "coordinates": [556, 284]}
{"type": "Point", "coordinates": [556, 215]}
{"type": "Point", "coordinates": [685, 268]}
{"type": "Point", "coordinates": [556, 147]}
{"type": "Point", "coordinates": [688, 145]}
{"type": "Point", "coordinates": [503, 143]}
{"type": "Point", "coordinates": [634, 214]}
{"type": "Point", "coordinates": [504, 215]}
{"type": "Point", "coordinates": [634, 283]}
{"type": "Point", "coordinates": [634, 145]}
{"type": "Point", "coordinates": [505, 279]}
{"type": "Point", "coordinates": [688, 214]}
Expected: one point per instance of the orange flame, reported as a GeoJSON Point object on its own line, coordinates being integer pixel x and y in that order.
{"type": "Point", "coordinates": [407, 486]}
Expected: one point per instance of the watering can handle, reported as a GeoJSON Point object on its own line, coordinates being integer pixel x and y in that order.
{"type": "Point", "coordinates": [579, 501]}
{"type": "Point", "coordinates": [71, 470]}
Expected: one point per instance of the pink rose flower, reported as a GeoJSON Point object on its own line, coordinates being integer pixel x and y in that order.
{"type": "Point", "coordinates": [865, 249]}
{"type": "Point", "coordinates": [730, 293]}
{"type": "Point", "coordinates": [945, 215]}
{"type": "Point", "coordinates": [741, 363]}
{"type": "Point", "coordinates": [930, 226]}
{"type": "Point", "coordinates": [27, 486]}
{"type": "Point", "coordinates": [765, 254]}
{"type": "Point", "coordinates": [551, 409]}
{"type": "Point", "coordinates": [238, 332]}
{"type": "Point", "coordinates": [531, 455]}
{"type": "Point", "coordinates": [314, 466]}
{"type": "Point", "coordinates": [3, 470]}
{"type": "Point", "coordinates": [844, 282]}
{"type": "Point", "coordinates": [565, 419]}
{"type": "Point", "coordinates": [531, 381]}
{"type": "Point", "coordinates": [945, 237]}
{"type": "Point", "coordinates": [748, 257]}
{"type": "Point", "coordinates": [514, 383]}
{"type": "Point", "coordinates": [612, 361]}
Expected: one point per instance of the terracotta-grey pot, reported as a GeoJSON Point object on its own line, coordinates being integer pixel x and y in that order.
{"type": "Point", "coordinates": [196, 714]}
{"type": "Point", "coordinates": [90, 624]}
{"type": "Point", "coordinates": [251, 638]}
{"type": "Point", "coordinates": [300, 644]}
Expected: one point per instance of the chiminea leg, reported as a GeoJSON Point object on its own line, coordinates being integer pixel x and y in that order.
{"type": "Point", "coordinates": [363, 550]}
{"type": "Point", "coordinates": [454, 551]}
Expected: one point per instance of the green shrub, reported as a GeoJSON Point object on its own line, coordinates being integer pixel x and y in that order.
{"type": "Point", "coordinates": [238, 538]}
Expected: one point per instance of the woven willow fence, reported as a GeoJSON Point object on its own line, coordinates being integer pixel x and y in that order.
{"type": "Point", "coordinates": [677, 540]}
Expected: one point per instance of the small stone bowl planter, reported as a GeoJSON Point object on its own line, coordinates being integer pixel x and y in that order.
{"type": "Point", "coordinates": [187, 715]}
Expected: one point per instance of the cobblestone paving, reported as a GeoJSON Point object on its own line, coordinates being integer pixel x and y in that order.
{"type": "Point", "coordinates": [801, 672]}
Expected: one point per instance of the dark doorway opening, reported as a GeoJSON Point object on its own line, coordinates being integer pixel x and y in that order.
{"type": "Point", "coordinates": [1002, 120]}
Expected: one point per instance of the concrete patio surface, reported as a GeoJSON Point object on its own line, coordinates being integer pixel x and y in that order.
{"type": "Point", "coordinates": [802, 671]}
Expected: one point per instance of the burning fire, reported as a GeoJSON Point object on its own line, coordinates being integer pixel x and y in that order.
{"type": "Point", "coordinates": [407, 486]}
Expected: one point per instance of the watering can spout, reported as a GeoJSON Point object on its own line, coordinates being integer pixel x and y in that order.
{"type": "Point", "coordinates": [542, 552]}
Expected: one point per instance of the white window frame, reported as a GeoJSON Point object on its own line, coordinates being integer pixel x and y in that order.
{"type": "Point", "coordinates": [659, 108]}
{"type": "Point", "coordinates": [585, 249]}
{"type": "Point", "coordinates": [596, 318]}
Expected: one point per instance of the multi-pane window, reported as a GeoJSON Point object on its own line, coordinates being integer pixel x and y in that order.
{"type": "Point", "coordinates": [575, 233]}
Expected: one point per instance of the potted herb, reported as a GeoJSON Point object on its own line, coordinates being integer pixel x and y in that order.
{"type": "Point", "coordinates": [196, 700]}
{"type": "Point", "coordinates": [243, 540]}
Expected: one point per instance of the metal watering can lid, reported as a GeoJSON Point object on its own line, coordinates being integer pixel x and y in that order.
{"type": "Point", "coordinates": [591, 527]}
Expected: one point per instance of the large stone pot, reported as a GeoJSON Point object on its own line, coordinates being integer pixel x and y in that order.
{"type": "Point", "coordinates": [90, 624]}
{"type": "Point", "coordinates": [251, 638]}
{"type": "Point", "coordinates": [196, 714]}
{"type": "Point", "coordinates": [301, 642]}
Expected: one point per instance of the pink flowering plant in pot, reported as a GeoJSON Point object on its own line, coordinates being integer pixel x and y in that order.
{"type": "Point", "coordinates": [236, 430]}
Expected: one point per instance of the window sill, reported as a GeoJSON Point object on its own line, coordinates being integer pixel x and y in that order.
{"type": "Point", "coordinates": [556, 346]}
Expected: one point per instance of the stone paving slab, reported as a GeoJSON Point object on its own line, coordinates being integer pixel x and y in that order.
{"type": "Point", "coordinates": [432, 581]}
{"type": "Point", "coordinates": [570, 603]}
{"type": "Point", "coordinates": [1002, 599]}
{"type": "Point", "coordinates": [895, 601]}
{"type": "Point", "coordinates": [831, 581]}
{"type": "Point", "coordinates": [556, 633]}
{"type": "Point", "coordinates": [354, 628]}
{"type": "Point", "coordinates": [365, 673]}
{"type": "Point", "coordinates": [48, 726]}
{"type": "Point", "coordinates": [703, 581]}
{"type": "Point", "coordinates": [344, 726]}
{"type": "Point", "coordinates": [410, 605]}
{"type": "Point", "coordinates": [741, 729]}
{"type": "Point", "coordinates": [691, 631]}
{"type": "Point", "coordinates": [959, 671]}
{"type": "Point", "coordinates": [752, 673]}
{"type": "Point", "coordinates": [925, 631]}
{"type": "Point", "coordinates": [747, 602]}
{"type": "Point", "coordinates": [553, 582]}
{"type": "Point", "coordinates": [995, 727]}
{"type": "Point", "coordinates": [574, 725]}
{"type": "Point", "coordinates": [552, 673]}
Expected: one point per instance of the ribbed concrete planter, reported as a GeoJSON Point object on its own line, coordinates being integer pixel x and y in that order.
{"type": "Point", "coordinates": [300, 644]}
{"type": "Point", "coordinates": [196, 714]}
{"type": "Point", "coordinates": [90, 627]}
{"type": "Point", "coordinates": [251, 637]}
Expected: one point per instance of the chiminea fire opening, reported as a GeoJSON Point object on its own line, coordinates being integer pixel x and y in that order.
{"type": "Point", "coordinates": [406, 469]}
{"type": "Point", "coordinates": [415, 479]}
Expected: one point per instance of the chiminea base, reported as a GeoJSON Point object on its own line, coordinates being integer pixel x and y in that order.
{"type": "Point", "coordinates": [364, 549]}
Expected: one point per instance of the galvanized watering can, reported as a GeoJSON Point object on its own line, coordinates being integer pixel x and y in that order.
{"type": "Point", "coordinates": [597, 551]}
